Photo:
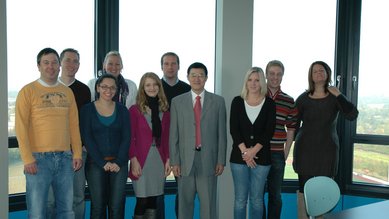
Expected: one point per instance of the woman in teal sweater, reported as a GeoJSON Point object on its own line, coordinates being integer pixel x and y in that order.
{"type": "Point", "coordinates": [105, 131]}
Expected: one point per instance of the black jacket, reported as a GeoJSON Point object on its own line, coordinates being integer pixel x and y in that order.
{"type": "Point", "coordinates": [242, 130]}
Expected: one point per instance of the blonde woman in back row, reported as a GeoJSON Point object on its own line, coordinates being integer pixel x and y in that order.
{"type": "Point", "coordinates": [126, 90]}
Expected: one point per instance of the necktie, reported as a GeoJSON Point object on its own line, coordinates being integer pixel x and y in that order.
{"type": "Point", "coordinates": [197, 115]}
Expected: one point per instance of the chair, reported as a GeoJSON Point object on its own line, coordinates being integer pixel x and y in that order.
{"type": "Point", "coordinates": [321, 195]}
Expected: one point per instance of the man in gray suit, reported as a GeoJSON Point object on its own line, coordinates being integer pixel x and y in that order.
{"type": "Point", "coordinates": [197, 157]}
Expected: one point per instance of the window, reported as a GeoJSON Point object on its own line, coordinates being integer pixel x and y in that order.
{"type": "Point", "coordinates": [371, 164]}
{"type": "Point", "coordinates": [168, 26]}
{"type": "Point", "coordinates": [59, 24]}
{"type": "Point", "coordinates": [373, 96]}
{"type": "Point", "coordinates": [370, 161]}
{"type": "Point", "coordinates": [296, 33]}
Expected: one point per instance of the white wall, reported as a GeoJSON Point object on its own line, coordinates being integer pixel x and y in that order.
{"type": "Point", "coordinates": [3, 113]}
{"type": "Point", "coordinates": [234, 31]}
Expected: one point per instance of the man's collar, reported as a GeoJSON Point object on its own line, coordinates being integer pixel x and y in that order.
{"type": "Point", "coordinates": [62, 82]}
{"type": "Point", "coordinates": [167, 82]}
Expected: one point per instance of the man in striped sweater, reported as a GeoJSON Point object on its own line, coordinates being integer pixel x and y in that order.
{"type": "Point", "coordinates": [282, 138]}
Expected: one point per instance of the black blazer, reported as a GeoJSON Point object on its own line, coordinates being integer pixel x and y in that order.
{"type": "Point", "coordinates": [242, 130]}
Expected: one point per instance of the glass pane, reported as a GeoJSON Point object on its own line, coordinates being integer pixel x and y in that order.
{"type": "Point", "coordinates": [16, 180]}
{"type": "Point", "coordinates": [373, 95]}
{"type": "Point", "coordinates": [59, 24]}
{"type": "Point", "coordinates": [371, 164]}
{"type": "Point", "coordinates": [148, 32]}
{"type": "Point", "coordinates": [296, 33]}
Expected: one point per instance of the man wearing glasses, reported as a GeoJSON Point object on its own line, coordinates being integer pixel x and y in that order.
{"type": "Point", "coordinates": [197, 144]}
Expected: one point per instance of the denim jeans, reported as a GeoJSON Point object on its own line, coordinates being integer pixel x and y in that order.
{"type": "Point", "coordinates": [249, 185]}
{"type": "Point", "coordinates": [54, 169]}
{"type": "Point", "coordinates": [107, 189]}
{"type": "Point", "coordinates": [78, 194]}
{"type": "Point", "coordinates": [274, 183]}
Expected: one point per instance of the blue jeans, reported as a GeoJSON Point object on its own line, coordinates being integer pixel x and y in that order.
{"type": "Point", "coordinates": [54, 169]}
{"type": "Point", "coordinates": [78, 194]}
{"type": "Point", "coordinates": [107, 189]}
{"type": "Point", "coordinates": [274, 184]}
{"type": "Point", "coordinates": [249, 184]}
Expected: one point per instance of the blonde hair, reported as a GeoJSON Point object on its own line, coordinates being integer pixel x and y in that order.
{"type": "Point", "coordinates": [141, 100]}
{"type": "Point", "coordinates": [112, 53]}
{"type": "Point", "coordinates": [262, 82]}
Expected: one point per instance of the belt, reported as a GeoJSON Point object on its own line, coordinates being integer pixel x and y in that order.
{"type": "Point", "coordinates": [198, 148]}
{"type": "Point", "coordinates": [109, 158]}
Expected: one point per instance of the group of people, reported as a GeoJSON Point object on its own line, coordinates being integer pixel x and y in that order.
{"type": "Point", "coordinates": [90, 132]}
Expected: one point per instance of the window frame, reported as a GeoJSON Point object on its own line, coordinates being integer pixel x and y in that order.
{"type": "Point", "coordinates": [347, 66]}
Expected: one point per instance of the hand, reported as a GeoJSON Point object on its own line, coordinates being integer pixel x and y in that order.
{"type": "Point", "coordinates": [136, 170]}
{"type": "Point", "coordinates": [31, 168]}
{"type": "Point", "coordinates": [219, 169]}
{"type": "Point", "coordinates": [251, 163]}
{"type": "Point", "coordinates": [249, 154]}
{"type": "Point", "coordinates": [107, 166]}
{"type": "Point", "coordinates": [77, 164]}
{"type": "Point", "coordinates": [168, 170]}
{"type": "Point", "coordinates": [114, 167]}
{"type": "Point", "coordinates": [176, 170]}
{"type": "Point", "coordinates": [334, 91]}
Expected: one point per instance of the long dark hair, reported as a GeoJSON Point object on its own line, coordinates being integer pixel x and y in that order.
{"type": "Point", "coordinates": [327, 68]}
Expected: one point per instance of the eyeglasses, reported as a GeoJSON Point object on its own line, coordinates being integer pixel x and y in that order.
{"type": "Point", "coordinates": [197, 75]}
{"type": "Point", "coordinates": [106, 88]}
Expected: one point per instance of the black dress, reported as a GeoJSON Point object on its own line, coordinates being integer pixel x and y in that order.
{"type": "Point", "coordinates": [316, 150]}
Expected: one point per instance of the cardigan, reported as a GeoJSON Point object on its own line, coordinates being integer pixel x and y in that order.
{"type": "Point", "coordinates": [261, 131]}
{"type": "Point", "coordinates": [105, 141]}
{"type": "Point", "coordinates": [142, 137]}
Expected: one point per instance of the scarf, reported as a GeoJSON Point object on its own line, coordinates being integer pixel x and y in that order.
{"type": "Point", "coordinates": [155, 120]}
{"type": "Point", "coordinates": [122, 91]}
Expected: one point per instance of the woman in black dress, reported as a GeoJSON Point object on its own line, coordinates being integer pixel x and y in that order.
{"type": "Point", "coordinates": [316, 151]}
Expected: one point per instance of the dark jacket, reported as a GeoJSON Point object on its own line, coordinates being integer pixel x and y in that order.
{"type": "Point", "coordinates": [242, 130]}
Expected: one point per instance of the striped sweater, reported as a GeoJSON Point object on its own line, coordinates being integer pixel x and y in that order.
{"type": "Point", "coordinates": [286, 117]}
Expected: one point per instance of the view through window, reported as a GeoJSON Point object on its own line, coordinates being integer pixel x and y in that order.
{"type": "Point", "coordinates": [371, 161]}
{"type": "Point", "coordinates": [168, 26]}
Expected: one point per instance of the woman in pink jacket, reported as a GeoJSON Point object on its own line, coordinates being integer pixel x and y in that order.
{"type": "Point", "coordinates": [149, 148]}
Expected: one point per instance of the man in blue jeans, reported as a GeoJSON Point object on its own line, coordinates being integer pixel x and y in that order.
{"type": "Point", "coordinates": [46, 123]}
{"type": "Point", "coordinates": [282, 139]}
{"type": "Point", "coordinates": [70, 63]}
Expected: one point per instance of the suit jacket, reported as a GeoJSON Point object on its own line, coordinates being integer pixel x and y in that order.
{"type": "Point", "coordinates": [213, 133]}
{"type": "Point", "coordinates": [142, 137]}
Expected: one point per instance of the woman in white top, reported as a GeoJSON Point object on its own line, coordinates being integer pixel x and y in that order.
{"type": "Point", "coordinates": [252, 123]}
{"type": "Point", "coordinates": [127, 90]}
